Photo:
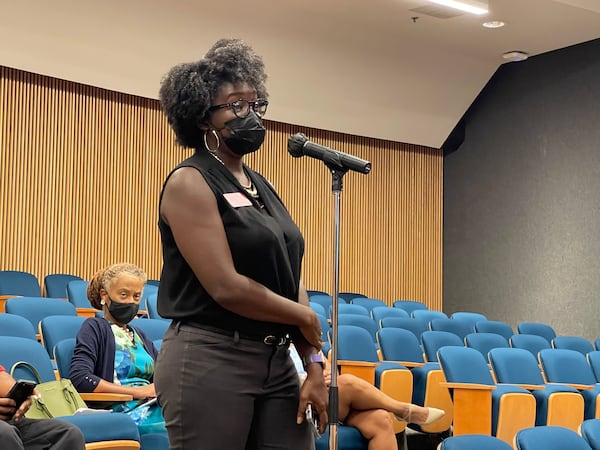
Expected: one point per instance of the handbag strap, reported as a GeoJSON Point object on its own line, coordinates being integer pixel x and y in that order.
{"type": "Point", "coordinates": [29, 366]}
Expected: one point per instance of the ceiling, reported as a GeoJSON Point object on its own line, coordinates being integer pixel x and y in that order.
{"type": "Point", "coordinates": [362, 67]}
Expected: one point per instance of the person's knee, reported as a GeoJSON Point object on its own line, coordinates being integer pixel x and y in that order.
{"type": "Point", "coordinates": [9, 436]}
{"type": "Point", "coordinates": [380, 421]}
{"type": "Point", "coordinates": [70, 432]}
{"type": "Point", "coordinates": [348, 381]}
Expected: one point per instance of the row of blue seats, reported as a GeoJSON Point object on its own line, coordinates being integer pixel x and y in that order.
{"type": "Point", "coordinates": [53, 329]}
{"type": "Point", "coordinates": [464, 366]}
{"type": "Point", "coordinates": [533, 438]}
{"type": "Point", "coordinates": [25, 284]}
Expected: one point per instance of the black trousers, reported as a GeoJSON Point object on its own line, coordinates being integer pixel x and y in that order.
{"type": "Point", "coordinates": [40, 434]}
{"type": "Point", "coordinates": [225, 393]}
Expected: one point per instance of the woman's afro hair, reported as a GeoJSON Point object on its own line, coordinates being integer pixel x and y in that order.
{"type": "Point", "coordinates": [188, 89]}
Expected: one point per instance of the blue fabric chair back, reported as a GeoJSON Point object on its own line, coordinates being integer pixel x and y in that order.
{"type": "Point", "coordinates": [325, 326]}
{"type": "Point", "coordinates": [597, 344]}
{"type": "Point", "coordinates": [344, 308]}
{"type": "Point", "coordinates": [56, 328]}
{"type": "Point", "coordinates": [566, 366]}
{"type": "Point", "coordinates": [355, 344]}
{"type": "Point", "coordinates": [455, 326]}
{"type": "Point", "coordinates": [484, 342]}
{"type": "Point", "coordinates": [16, 282]}
{"type": "Point", "coordinates": [409, 305]}
{"type": "Point", "coordinates": [464, 365]}
{"type": "Point", "coordinates": [153, 328]}
{"type": "Point", "coordinates": [348, 296]}
{"type": "Point", "coordinates": [364, 322]}
{"type": "Point", "coordinates": [397, 344]}
{"type": "Point", "coordinates": [576, 343]}
{"type": "Point", "coordinates": [494, 326]}
{"type": "Point", "coordinates": [149, 291]}
{"type": "Point", "coordinates": [538, 328]}
{"type": "Point", "coordinates": [17, 326]}
{"type": "Point", "coordinates": [416, 326]}
{"type": "Point", "coordinates": [474, 442]}
{"type": "Point", "coordinates": [432, 341]}
{"type": "Point", "coordinates": [152, 308]}
{"type": "Point", "coordinates": [316, 307]}
{"type": "Point", "coordinates": [311, 292]}
{"type": "Point", "coordinates": [55, 284]}
{"type": "Point", "coordinates": [515, 366]}
{"type": "Point", "coordinates": [35, 309]}
{"type": "Point", "coordinates": [325, 301]}
{"type": "Point", "coordinates": [471, 317]}
{"type": "Point", "coordinates": [379, 312]}
{"type": "Point", "coordinates": [590, 431]}
{"type": "Point", "coordinates": [549, 438]}
{"type": "Point", "coordinates": [593, 359]}
{"type": "Point", "coordinates": [368, 303]}
{"type": "Point", "coordinates": [63, 353]}
{"type": "Point", "coordinates": [428, 315]}
{"type": "Point", "coordinates": [15, 349]}
{"type": "Point", "coordinates": [153, 282]}
{"type": "Point", "coordinates": [530, 342]}
{"type": "Point", "coordinates": [77, 293]}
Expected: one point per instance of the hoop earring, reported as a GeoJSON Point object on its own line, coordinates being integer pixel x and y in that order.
{"type": "Point", "coordinates": [214, 132]}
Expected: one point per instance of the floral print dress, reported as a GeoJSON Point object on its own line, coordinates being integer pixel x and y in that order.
{"type": "Point", "coordinates": [135, 367]}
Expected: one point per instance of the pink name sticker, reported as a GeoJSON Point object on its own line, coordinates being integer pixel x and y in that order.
{"type": "Point", "coordinates": [237, 199]}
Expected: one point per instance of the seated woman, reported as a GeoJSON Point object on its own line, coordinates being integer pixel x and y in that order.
{"type": "Point", "coordinates": [114, 357]}
{"type": "Point", "coordinates": [363, 406]}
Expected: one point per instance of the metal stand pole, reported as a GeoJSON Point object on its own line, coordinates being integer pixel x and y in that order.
{"type": "Point", "coordinates": [336, 187]}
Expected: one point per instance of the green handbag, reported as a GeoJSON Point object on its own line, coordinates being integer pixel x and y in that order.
{"type": "Point", "coordinates": [54, 399]}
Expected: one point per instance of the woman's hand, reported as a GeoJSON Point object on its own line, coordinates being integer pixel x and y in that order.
{"type": "Point", "coordinates": [145, 391]}
{"type": "Point", "coordinates": [23, 408]}
{"type": "Point", "coordinates": [312, 330]}
{"type": "Point", "coordinates": [7, 408]}
{"type": "Point", "coordinates": [315, 392]}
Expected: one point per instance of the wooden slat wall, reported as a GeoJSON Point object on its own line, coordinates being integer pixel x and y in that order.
{"type": "Point", "coordinates": [81, 170]}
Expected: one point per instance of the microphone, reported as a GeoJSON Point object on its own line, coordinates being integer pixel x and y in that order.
{"type": "Point", "coordinates": [299, 145]}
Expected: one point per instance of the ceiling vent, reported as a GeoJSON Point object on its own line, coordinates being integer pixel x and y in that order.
{"type": "Point", "coordinates": [439, 11]}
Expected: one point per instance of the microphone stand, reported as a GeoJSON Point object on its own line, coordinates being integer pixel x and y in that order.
{"type": "Point", "coordinates": [337, 173]}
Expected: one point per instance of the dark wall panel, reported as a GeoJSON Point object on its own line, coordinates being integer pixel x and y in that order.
{"type": "Point", "coordinates": [522, 196]}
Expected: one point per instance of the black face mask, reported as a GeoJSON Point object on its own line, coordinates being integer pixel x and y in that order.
{"type": "Point", "coordinates": [246, 135]}
{"type": "Point", "coordinates": [123, 312]}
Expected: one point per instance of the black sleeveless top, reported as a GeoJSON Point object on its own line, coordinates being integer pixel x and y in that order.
{"type": "Point", "coordinates": [265, 243]}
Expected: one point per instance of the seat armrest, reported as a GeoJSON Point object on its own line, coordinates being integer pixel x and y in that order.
{"type": "Point", "coordinates": [105, 397]}
{"type": "Point", "coordinates": [408, 364]}
{"type": "Point", "coordinates": [473, 386]}
{"type": "Point", "coordinates": [361, 369]}
{"type": "Point", "coordinates": [579, 387]}
{"type": "Point", "coordinates": [529, 387]}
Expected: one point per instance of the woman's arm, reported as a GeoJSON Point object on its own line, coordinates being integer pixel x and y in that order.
{"type": "Point", "coordinates": [314, 389]}
{"type": "Point", "coordinates": [189, 207]}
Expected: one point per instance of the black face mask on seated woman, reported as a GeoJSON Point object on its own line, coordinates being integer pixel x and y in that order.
{"type": "Point", "coordinates": [247, 134]}
{"type": "Point", "coordinates": [123, 312]}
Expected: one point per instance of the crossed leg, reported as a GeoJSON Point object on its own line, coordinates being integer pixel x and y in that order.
{"type": "Point", "coordinates": [376, 426]}
{"type": "Point", "coordinates": [355, 394]}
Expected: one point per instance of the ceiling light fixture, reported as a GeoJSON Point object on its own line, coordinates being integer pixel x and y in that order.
{"type": "Point", "coordinates": [515, 55]}
{"type": "Point", "coordinates": [471, 6]}
{"type": "Point", "coordinates": [493, 24]}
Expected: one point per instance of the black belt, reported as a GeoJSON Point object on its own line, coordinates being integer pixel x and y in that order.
{"type": "Point", "coordinates": [267, 339]}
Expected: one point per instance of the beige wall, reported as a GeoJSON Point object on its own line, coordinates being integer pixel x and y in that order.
{"type": "Point", "coordinates": [81, 170]}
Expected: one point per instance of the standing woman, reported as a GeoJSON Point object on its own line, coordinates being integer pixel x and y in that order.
{"type": "Point", "coordinates": [230, 282]}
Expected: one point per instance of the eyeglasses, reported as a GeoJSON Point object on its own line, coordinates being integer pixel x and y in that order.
{"type": "Point", "coordinates": [241, 108]}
